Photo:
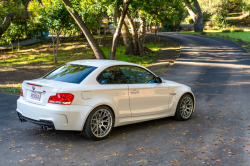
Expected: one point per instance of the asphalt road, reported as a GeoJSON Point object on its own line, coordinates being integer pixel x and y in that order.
{"type": "Point", "coordinates": [217, 134]}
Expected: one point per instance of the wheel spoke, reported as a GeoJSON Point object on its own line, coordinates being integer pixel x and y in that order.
{"type": "Point", "coordinates": [186, 107]}
{"type": "Point", "coordinates": [101, 123]}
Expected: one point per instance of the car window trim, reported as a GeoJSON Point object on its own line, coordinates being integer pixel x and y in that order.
{"type": "Point", "coordinates": [124, 75]}
{"type": "Point", "coordinates": [106, 69]}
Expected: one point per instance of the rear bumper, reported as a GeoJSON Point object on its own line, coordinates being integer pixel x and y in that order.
{"type": "Point", "coordinates": [38, 122]}
{"type": "Point", "coordinates": [61, 117]}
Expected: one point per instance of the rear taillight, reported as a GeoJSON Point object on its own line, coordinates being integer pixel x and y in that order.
{"type": "Point", "coordinates": [21, 93]}
{"type": "Point", "coordinates": [61, 98]}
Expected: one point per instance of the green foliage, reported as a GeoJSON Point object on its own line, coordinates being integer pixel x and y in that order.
{"type": "Point", "coordinates": [189, 20]}
{"type": "Point", "coordinates": [50, 13]}
{"type": "Point", "coordinates": [17, 27]}
{"type": "Point", "coordinates": [245, 6]}
{"type": "Point", "coordinates": [162, 11]}
{"type": "Point", "coordinates": [216, 11]}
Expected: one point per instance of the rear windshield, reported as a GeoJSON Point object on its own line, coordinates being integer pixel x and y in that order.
{"type": "Point", "coordinates": [70, 73]}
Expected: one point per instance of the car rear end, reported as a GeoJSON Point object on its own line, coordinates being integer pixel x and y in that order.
{"type": "Point", "coordinates": [48, 102]}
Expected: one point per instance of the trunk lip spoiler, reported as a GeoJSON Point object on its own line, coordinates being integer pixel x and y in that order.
{"type": "Point", "coordinates": [34, 85]}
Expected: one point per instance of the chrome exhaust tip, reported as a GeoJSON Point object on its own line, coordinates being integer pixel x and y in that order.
{"type": "Point", "coordinates": [48, 128]}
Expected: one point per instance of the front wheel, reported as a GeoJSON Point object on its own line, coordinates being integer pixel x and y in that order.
{"type": "Point", "coordinates": [185, 107]}
{"type": "Point", "coordinates": [99, 123]}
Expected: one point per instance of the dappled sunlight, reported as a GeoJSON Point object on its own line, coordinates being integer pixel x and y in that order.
{"type": "Point", "coordinates": [34, 61]}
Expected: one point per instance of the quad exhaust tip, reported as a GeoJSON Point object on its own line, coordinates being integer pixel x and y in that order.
{"type": "Point", "coordinates": [46, 127]}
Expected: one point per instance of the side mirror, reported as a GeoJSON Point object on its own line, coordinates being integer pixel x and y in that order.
{"type": "Point", "coordinates": [159, 80]}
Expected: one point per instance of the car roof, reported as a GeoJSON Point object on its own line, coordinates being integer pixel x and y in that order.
{"type": "Point", "coordinates": [100, 62]}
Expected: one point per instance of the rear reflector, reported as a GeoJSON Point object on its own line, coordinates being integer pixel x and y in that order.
{"type": "Point", "coordinates": [21, 93]}
{"type": "Point", "coordinates": [34, 85]}
{"type": "Point", "coordinates": [61, 98]}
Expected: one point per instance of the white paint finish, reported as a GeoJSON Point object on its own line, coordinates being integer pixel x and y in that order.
{"type": "Point", "coordinates": [151, 102]}
{"type": "Point", "coordinates": [150, 98]}
{"type": "Point", "coordinates": [114, 96]}
{"type": "Point", "coordinates": [64, 117]}
{"type": "Point", "coordinates": [137, 119]}
{"type": "Point", "coordinates": [86, 95]}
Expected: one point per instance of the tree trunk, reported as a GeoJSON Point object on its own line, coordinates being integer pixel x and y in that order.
{"type": "Point", "coordinates": [127, 39]}
{"type": "Point", "coordinates": [150, 28]}
{"type": "Point", "coordinates": [57, 43]}
{"type": "Point", "coordinates": [18, 43]}
{"type": "Point", "coordinates": [118, 29]}
{"type": "Point", "coordinates": [11, 17]}
{"type": "Point", "coordinates": [115, 18]}
{"type": "Point", "coordinates": [134, 34]}
{"type": "Point", "coordinates": [97, 51]}
{"type": "Point", "coordinates": [198, 24]}
{"type": "Point", "coordinates": [99, 29]}
{"type": "Point", "coordinates": [53, 41]}
{"type": "Point", "coordinates": [142, 30]}
{"type": "Point", "coordinates": [155, 35]}
{"type": "Point", "coordinates": [197, 17]}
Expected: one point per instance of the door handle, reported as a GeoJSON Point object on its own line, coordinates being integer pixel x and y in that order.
{"type": "Point", "coordinates": [134, 91]}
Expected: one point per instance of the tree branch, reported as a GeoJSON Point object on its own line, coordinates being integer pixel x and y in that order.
{"type": "Point", "coordinates": [97, 51]}
{"type": "Point", "coordinates": [190, 10]}
{"type": "Point", "coordinates": [11, 17]}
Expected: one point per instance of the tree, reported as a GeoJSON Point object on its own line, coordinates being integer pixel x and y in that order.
{"type": "Point", "coordinates": [195, 14]}
{"type": "Point", "coordinates": [118, 29]}
{"type": "Point", "coordinates": [127, 39]}
{"type": "Point", "coordinates": [12, 10]}
{"type": "Point", "coordinates": [97, 51]}
{"type": "Point", "coordinates": [54, 15]}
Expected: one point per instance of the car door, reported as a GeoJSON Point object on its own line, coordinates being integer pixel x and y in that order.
{"type": "Point", "coordinates": [146, 96]}
{"type": "Point", "coordinates": [114, 91]}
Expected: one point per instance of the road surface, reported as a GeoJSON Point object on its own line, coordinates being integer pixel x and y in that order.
{"type": "Point", "coordinates": [217, 134]}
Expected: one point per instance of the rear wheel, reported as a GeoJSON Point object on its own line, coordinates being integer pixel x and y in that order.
{"type": "Point", "coordinates": [99, 123]}
{"type": "Point", "coordinates": [185, 107]}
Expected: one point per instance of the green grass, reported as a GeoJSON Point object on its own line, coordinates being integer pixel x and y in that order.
{"type": "Point", "coordinates": [76, 54]}
{"type": "Point", "coordinates": [245, 36]}
{"type": "Point", "coordinates": [120, 56]}
{"type": "Point", "coordinates": [15, 90]}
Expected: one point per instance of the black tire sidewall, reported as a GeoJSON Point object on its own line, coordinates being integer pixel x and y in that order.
{"type": "Point", "coordinates": [87, 126]}
{"type": "Point", "coordinates": [177, 113]}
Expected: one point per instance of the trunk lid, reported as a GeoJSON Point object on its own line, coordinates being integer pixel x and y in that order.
{"type": "Point", "coordinates": [38, 91]}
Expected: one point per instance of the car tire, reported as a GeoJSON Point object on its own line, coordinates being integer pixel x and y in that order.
{"type": "Point", "coordinates": [185, 107]}
{"type": "Point", "coordinates": [99, 123]}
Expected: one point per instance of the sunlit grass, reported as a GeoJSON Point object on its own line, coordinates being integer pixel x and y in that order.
{"type": "Point", "coordinates": [43, 54]}
{"type": "Point", "coordinates": [120, 56]}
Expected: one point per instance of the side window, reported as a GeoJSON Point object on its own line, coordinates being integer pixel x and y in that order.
{"type": "Point", "coordinates": [137, 75]}
{"type": "Point", "coordinates": [112, 75]}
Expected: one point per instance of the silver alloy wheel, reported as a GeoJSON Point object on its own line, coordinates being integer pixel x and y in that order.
{"type": "Point", "coordinates": [186, 107]}
{"type": "Point", "coordinates": [101, 123]}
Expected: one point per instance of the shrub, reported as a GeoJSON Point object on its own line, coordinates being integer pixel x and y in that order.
{"type": "Point", "coordinates": [226, 30]}
{"type": "Point", "coordinates": [189, 20]}
{"type": "Point", "coordinates": [238, 30]}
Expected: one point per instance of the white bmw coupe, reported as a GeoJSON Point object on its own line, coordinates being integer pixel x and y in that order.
{"type": "Point", "coordinates": [93, 96]}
